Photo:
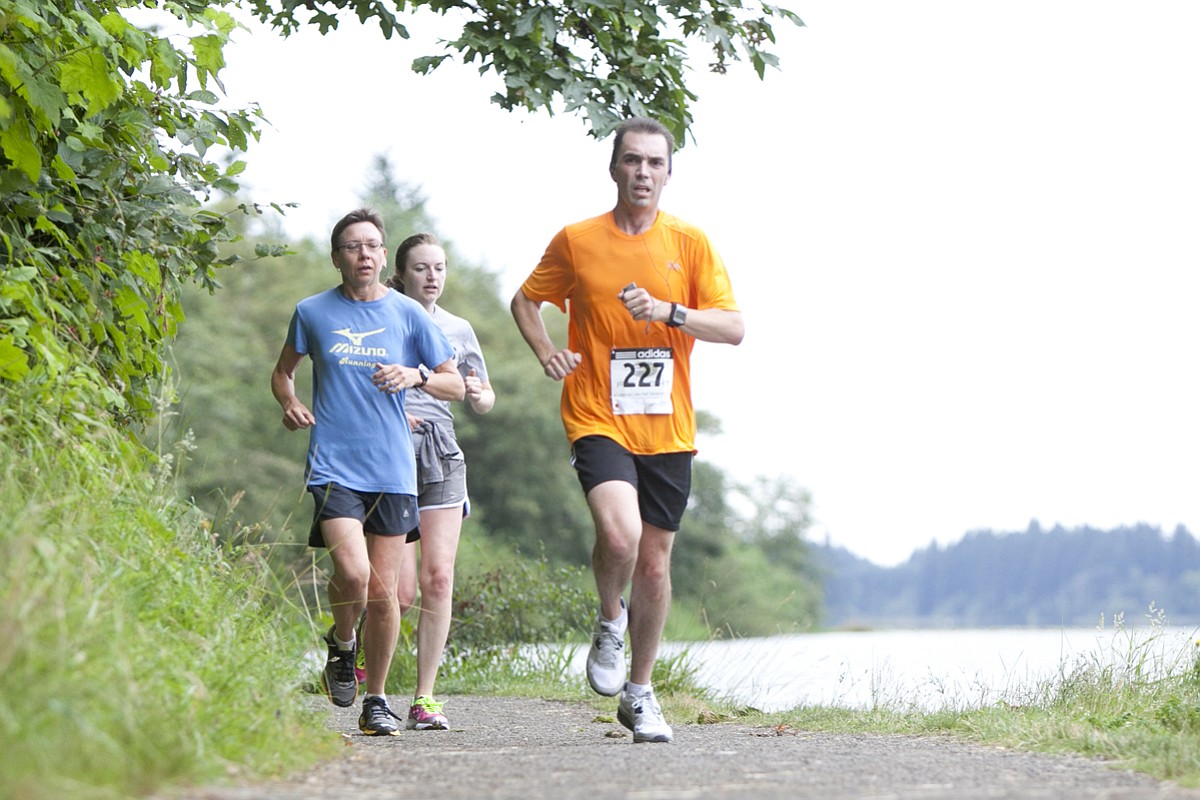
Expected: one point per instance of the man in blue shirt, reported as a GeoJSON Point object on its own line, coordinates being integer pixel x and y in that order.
{"type": "Point", "coordinates": [368, 344]}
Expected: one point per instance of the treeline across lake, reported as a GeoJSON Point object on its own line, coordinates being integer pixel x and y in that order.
{"type": "Point", "coordinates": [1057, 577]}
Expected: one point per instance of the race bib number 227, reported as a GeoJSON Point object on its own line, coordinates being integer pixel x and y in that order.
{"type": "Point", "coordinates": [642, 379]}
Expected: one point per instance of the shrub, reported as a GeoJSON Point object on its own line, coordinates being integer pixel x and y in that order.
{"type": "Point", "coordinates": [526, 602]}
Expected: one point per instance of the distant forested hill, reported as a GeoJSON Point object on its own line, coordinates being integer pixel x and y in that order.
{"type": "Point", "coordinates": [1056, 577]}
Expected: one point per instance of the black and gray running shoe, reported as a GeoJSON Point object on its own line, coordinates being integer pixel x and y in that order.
{"type": "Point", "coordinates": [377, 719]}
{"type": "Point", "coordinates": [338, 677]}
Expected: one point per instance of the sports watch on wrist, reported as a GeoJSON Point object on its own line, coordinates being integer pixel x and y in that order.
{"type": "Point", "coordinates": [425, 373]}
{"type": "Point", "coordinates": [678, 316]}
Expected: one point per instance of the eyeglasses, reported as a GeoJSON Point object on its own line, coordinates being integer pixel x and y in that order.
{"type": "Point", "coordinates": [354, 247]}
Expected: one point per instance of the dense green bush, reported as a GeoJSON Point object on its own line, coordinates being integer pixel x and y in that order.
{"type": "Point", "coordinates": [105, 129]}
{"type": "Point", "coordinates": [524, 602]}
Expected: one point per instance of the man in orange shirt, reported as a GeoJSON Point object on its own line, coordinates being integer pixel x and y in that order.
{"type": "Point", "coordinates": [641, 286]}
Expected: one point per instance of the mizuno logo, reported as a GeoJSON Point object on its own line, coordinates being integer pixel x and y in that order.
{"type": "Point", "coordinates": [356, 339]}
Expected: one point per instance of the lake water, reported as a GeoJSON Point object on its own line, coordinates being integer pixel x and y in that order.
{"type": "Point", "coordinates": [923, 669]}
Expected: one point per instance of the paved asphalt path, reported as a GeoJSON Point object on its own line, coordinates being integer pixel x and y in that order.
{"type": "Point", "coordinates": [503, 747]}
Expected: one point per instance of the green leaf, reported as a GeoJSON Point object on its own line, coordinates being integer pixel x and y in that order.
{"type": "Point", "coordinates": [206, 50]}
{"type": "Point", "coordinates": [8, 65]}
{"type": "Point", "coordinates": [426, 64]}
{"type": "Point", "coordinates": [165, 62]}
{"type": "Point", "coordinates": [116, 25]}
{"type": "Point", "coordinates": [19, 274]}
{"type": "Point", "coordinates": [14, 363]}
{"type": "Point", "coordinates": [20, 150]}
{"type": "Point", "coordinates": [221, 21]}
{"type": "Point", "coordinates": [145, 267]}
{"type": "Point", "coordinates": [89, 74]}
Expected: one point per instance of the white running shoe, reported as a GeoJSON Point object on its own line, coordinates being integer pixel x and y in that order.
{"type": "Point", "coordinates": [606, 658]}
{"type": "Point", "coordinates": [642, 715]}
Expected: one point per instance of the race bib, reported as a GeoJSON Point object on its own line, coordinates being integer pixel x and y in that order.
{"type": "Point", "coordinates": [642, 379]}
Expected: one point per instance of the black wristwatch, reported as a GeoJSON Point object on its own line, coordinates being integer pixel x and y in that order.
{"type": "Point", "coordinates": [678, 316]}
{"type": "Point", "coordinates": [425, 373]}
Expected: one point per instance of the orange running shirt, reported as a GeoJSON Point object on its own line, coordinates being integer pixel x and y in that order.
{"type": "Point", "coordinates": [583, 271]}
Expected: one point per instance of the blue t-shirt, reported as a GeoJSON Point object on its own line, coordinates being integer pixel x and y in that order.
{"type": "Point", "coordinates": [361, 439]}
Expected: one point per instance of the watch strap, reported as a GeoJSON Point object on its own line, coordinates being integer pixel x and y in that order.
{"type": "Point", "coordinates": [678, 316]}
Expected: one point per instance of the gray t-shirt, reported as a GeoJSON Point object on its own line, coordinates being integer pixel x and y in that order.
{"type": "Point", "coordinates": [468, 356]}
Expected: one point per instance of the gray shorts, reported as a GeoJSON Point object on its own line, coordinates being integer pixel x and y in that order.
{"type": "Point", "coordinates": [449, 492]}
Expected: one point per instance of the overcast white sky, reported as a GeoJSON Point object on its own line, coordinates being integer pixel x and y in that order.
{"type": "Point", "coordinates": [964, 236]}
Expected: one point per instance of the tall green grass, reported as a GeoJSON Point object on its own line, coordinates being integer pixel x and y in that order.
{"type": "Point", "coordinates": [136, 650]}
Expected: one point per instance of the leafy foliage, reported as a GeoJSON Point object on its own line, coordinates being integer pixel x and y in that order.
{"type": "Point", "coordinates": [746, 573]}
{"type": "Point", "coordinates": [608, 60]}
{"type": "Point", "coordinates": [105, 129]}
{"type": "Point", "coordinates": [526, 602]}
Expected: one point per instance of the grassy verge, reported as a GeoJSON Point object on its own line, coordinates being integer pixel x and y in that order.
{"type": "Point", "coordinates": [136, 651]}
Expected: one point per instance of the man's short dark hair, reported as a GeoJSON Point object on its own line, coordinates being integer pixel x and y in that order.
{"type": "Point", "coordinates": [641, 125]}
{"type": "Point", "coordinates": [357, 215]}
